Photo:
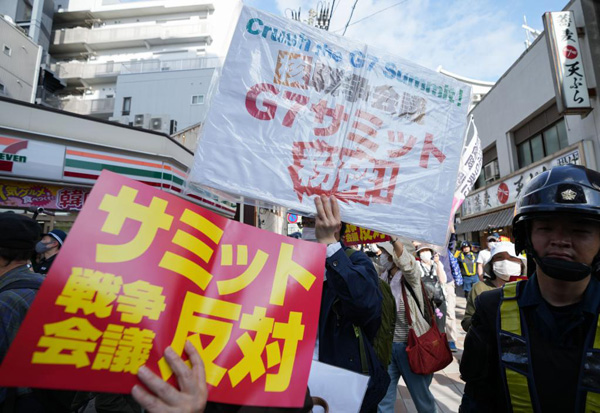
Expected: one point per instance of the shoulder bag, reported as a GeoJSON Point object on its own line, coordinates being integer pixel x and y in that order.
{"type": "Point", "coordinates": [429, 352]}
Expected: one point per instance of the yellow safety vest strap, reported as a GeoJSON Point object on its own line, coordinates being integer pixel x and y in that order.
{"type": "Point", "coordinates": [592, 402]}
{"type": "Point", "coordinates": [510, 315]}
{"type": "Point", "coordinates": [597, 336]}
{"type": "Point", "coordinates": [473, 270]}
{"type": "Point", "coordinates": [518, 389]}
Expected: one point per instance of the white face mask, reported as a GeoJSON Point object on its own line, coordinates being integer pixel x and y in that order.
{"type": "Point", "coordinates": [425, 256]}
{"type": "Point", "coordinates": [385, 261]}
{"type": "Point", "coordinates": [491, 244]}
{"type": "Point", "coordinates": [506, 269]}
{"type": "Point", "coordinates": [308, 234]}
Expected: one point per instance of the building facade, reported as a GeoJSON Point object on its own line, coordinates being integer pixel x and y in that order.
{"type": "Point", "coordinates": [523, 131]}
{"type": "Point", "coordinates": [20, 60]}
{"type": "Point", "coordinates": [51, 159]}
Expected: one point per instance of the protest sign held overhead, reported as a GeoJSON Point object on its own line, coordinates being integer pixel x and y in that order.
{"type": "Point", "coordinates": [356, 235]}
{"type": "Point", "coordinates": [300, 112]}
{"type": "Point", "coordinates": [142, 270]}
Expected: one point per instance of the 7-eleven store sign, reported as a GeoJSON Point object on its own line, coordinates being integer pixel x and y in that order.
{"type": "Point", "coordinates": [85, 166]}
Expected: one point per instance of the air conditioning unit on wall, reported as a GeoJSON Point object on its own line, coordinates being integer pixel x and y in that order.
{"type": "Point", "coordinates": [156, 123]}
{"type": "Point", "coordinates": [138, 121]}
{"type": "Point", "coordinates": [490, 171]}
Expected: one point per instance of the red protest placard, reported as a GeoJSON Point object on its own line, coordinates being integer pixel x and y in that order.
{"type": "Point", "coordinates": [142, 270]}
{"type": "Point", "coordinates": [356, 235]}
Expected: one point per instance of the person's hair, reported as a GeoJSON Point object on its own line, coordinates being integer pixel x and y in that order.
{"type": "Point", "coordinates": [11, 255]}
{"type": "Point", "coordinates": [342, 230]}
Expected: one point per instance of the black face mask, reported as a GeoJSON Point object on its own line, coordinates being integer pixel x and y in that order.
{"type": "Point", "coordinates": [563, 270]}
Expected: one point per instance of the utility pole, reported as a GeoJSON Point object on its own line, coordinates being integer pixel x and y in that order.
{"type": "Point", "coordinates": [319, 17]}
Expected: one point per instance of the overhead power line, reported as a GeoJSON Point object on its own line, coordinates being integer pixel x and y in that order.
{"type": "Point", "coordinates": [350, 18]}
{"type": "Point", "coordinates": [369, 16]}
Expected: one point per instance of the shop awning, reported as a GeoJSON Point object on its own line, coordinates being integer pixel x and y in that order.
{"type": "Point", "coordinates": [496, 219]}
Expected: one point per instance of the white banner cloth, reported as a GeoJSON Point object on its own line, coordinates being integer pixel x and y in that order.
{"type": "Point", "coordinates": [300, 112]}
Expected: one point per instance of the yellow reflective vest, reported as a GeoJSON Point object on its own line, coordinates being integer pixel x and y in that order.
{"type": "Point", "coordinates": [515, 365]}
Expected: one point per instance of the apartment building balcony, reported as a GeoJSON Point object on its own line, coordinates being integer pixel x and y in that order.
{"type": "Point", "coordinates": [83, 40]}
{"type": "Point", "coordinates": [84, 74]}
{"type": "Point", "coordinates": [99, 108]}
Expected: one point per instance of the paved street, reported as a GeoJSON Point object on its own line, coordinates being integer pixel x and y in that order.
{"type": "Point", "coordinates": [447, 387]}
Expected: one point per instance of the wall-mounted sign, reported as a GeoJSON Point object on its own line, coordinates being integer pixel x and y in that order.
{"type": "Point", "coordinates": [14, 194]}
{"type": "Point", "coordinates": [507, 191]}
{"type": "Point", "coordinates": [24, 157]}
{"type": "Point", "coordinates": [566, 62]}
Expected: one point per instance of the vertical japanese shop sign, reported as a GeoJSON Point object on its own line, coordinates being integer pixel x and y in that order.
{"type": "Point", "coordinates": [567, 62]}
{"type": "Point", "coordinates": [301, 112]}
{"type": "Point", "coordinates": [142, 270]}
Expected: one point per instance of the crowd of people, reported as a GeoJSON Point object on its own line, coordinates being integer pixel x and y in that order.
{"type": "Point", "coordinates": [531, 344]}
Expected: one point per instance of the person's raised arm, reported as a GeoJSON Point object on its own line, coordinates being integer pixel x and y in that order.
{"type": "Point", "coordinates": [353, 278]}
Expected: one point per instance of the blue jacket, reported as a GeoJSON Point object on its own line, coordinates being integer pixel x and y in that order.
{"type": "Point", "coordinates": [351, 297]}
{"type": "Point", "coordinates": [450, 264]}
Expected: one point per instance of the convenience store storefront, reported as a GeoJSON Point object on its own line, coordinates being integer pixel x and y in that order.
{"type": "Point", "coordinates": [50, 159]}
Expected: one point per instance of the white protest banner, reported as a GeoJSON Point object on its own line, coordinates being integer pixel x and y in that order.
{"type": "Point", "coordinates": [469, 170]}
{"type": "Point", "coordinates": [300, 112]}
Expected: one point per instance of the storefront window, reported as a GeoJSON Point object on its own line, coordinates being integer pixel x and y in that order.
{"type": "Point", "coordinates": [562, 134]}
{"type": "Point", "coordinates": [537, 148]}
{"type": "Point", "coordinates": [524, 154]}
{"type": "Point", "coordinates": [549, 141]}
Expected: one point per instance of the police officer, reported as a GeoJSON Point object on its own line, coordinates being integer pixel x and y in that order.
{"type": "Point", "coordinates": [467, 261]}
{"type": "Point", "coordinates": [534, 345]}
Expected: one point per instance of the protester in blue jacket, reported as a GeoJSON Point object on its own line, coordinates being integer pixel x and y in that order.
{"type": "Point", "coordinates": [350, 307]}
{"type": "Point", "coordinates": [454, 279]}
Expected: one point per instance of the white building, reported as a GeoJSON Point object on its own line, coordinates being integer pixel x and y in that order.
{"type": "Point", "coordinates": [479, 88]}
{"type": "Point", "coordinates": [119, 57]}
{"type": "Point", "coordinates": [20, 61]}
{"type": "Point", "coordinates": [523, 132]}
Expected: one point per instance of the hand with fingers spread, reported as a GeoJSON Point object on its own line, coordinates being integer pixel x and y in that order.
{"type": "Point", "coordinates": [328, 222]}
{"type": "Point", "coordinates": [192, 393]}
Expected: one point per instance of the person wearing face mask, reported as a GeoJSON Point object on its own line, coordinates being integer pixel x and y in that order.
{"type": "Point", "coordinates": [385, 263]}
{"type": "Point", "coordinates": [48, 249]}
{"type": "Point", "coordinates": [433, 276]}
{"type": "Point", "coordinates": [533, 345]}
{"type": "Point", "coordinates": [403, 267]}
{"type": "Point", "coordinates": [484, 255]}
{"type": "Point", "coordinates": [498, 270]}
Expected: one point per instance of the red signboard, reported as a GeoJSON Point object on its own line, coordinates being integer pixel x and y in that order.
{"type": "Point", "coordinates": [142, 270]}
{"type": "Point", "coordinates": [356, 235]}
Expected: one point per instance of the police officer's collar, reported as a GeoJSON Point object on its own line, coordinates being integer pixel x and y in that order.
{"type": "Point", "coordinates": [532, 296]}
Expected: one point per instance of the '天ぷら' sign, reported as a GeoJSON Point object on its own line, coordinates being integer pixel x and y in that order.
{"type": "Point", "coordinates": [142, 270]}
{"type": "Point", "coordinates": [301, 112]}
